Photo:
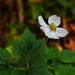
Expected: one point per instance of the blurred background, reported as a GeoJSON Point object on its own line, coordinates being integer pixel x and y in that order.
{"type": "Point", "coordinates": [17, 15]}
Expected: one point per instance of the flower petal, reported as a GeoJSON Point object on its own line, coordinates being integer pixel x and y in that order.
{"type": "Point", "coordinates": [57, 21]}
{"type": "Point", "coordinates": [46, 30]}
{"type": "Point", "coordinates": [52, 19]}
{"type": "Point", "coordinates": [41, 21]}
{"type": "Point", "coordinates": [61, 32]}
{"type": "Point", "coordinates": [52, 35]}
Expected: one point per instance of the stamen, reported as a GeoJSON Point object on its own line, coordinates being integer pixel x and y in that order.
{"type": "Point", "coordinates": [53, 27]}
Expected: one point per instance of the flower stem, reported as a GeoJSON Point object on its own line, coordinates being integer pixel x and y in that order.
{"type": "Point", "coordinates": [17, 67]}
{"type": "Point", "coordinates": [46, 40]}
{"type": "Point", "coordinates": [27, 63]}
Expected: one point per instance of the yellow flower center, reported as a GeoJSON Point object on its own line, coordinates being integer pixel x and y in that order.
{"type": "Point", "coordinates": [53, 27]}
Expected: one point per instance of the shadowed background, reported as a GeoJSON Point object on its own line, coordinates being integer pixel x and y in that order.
{"type": "Point", "coordinates": [17, 15]}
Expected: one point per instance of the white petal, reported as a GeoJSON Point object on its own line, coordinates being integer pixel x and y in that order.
{"type": "Point", "coordinates": [52, 35]}
{"type": "Point", "coordinates": [61, 32]}
{"type": "Point", "coordinates": [46, 30]}
{"type": "Point", "coordinates": [57, 21]}
{"type": "Point", "coordinates": [52, 19]}
{"type": "Point", "coordinates": [41, 21]}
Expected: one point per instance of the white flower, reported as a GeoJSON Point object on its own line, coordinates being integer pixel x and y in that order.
{"type": "Point", "coordinates": [51, 30]}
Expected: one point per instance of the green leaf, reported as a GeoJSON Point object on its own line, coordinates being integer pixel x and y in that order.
{"type": "Point", "coordinates": [5, 70]}
{"type": "Point", "coordinates": [67, 56]}
{"type": "Point", "coordinates": [36, 54]}
{"type": "Point", "coordinates": [65, 69]}
{"type": "Point", "coordinates": [16, 50]}
{"type": "Point", "coordinates": [27, 40]}
{"type": "Point", "coordinates": [37, 68]}
{"type": "Point", "coordinates": [5, 58]}
{"type": "Point", "coordinates": [52, 53]}
{"type": "Point", "coordinates": [28, 47]}
{"type": "Point", "coordinates": [26, 43]}
{"type": "Point", "coordinates": [30, 53]}
{"type": "Point", "coordinates": [18, 72]}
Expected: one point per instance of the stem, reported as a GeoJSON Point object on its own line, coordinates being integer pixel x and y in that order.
{"type": "Point", "coordinates": [17, 68]}
{"type": "Point", "coordinates": [46, 40]}
{"type": "Point", "coordinates": [21, 68]}
{"type": "Point", "coordinates": [27, 63]}
{"type": "Point", "coordinates": [52, 68]}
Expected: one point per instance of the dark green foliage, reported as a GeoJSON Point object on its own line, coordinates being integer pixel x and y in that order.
{"type": "Point", "coordinates": [27, 57]}
{"type": "Point", "coordinates": [52, 53]}
{"type": "Point", "coordinates": [49, 7]}
{"type": "Point", "coordinates": [5, 58]}
{"type": "Point", "coordinates": [32, 57]}
{"type": "Point", "coordinates": [63, 69]}
{"type": "Point", "coordinates": [67, 56]}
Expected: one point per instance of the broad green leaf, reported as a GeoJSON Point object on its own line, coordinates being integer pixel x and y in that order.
{"type": "Point", "coordinates": [52, 53]}
{"type": "Point", "coordinates": [36, 54]}
{"type": "Point", "coordinates": [66, 69]}
{"type": "Point", "coordinates": [37, 68]}
{"type": "Point", "coordinates": [30, 53]}
{"type": "Point", "coordinates": [26, 43]}
{"type": "Point", "coordinates": [67, 56]}
{"type": "Point", "coordinates": [5, 70]}
{"type": "Point", "coordinates": [27, 40]}
{"type": "Point", "coordinates": [29, 48]}
{"type": "Point", "coordinates": [17, 51]}
{"type": "Point", "coordinates": [18, 72]}
{"type": "Point", "coordinates": [5, 57]}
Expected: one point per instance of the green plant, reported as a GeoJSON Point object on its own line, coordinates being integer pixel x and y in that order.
{"type": "Point", "coordinates": [31, 56]}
